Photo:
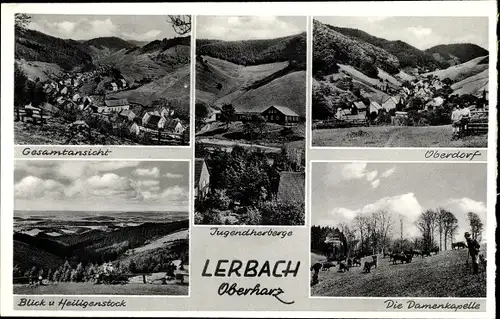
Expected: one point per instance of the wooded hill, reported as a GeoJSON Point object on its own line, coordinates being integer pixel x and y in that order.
{"type": "Point", "coordinates": [254, 52]}
{"type": "Point", "coordinates": [462, 51]}
{"type": "Point", "coordinates": [94, 246]}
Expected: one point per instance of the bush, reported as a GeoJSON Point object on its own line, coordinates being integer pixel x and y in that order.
{"type": "Point", "coordinates": [250, 216]}
{"type": "Point", "coordinates": [277, 212]}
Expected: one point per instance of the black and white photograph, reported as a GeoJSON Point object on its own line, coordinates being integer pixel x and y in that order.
{"type": "Point", "coordinates": [101, 228]}
{"type": "Point", "coordinates": [386, 81]}
{"type": "Point", "coordinates": [398, 229]}
{"type": "Point", "coordinates": [250, 120]}
{"type": "Point", "coordinates": [102, 79]}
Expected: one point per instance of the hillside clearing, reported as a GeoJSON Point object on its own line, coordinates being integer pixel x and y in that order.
{"type": "Point", "coordinates": [461, 71]}
{"type": "Point", "coordinates": [73, 288]}
{"type": "Point", "coordinates": [394, 136]}
{"type": "Point", "coordinates": [162, 241]}
{"type": "Point", "coordinates": [442, 275]}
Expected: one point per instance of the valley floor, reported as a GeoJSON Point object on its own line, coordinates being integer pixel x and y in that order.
{"type": "Point", "coordinates": [441, 275]}
{"type": "Point", "coordinates": [73, 288]}
{"type": "Point", "coordinates": [394, 136]}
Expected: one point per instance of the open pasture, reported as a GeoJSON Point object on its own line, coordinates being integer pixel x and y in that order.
{"type": "Point", "coordinates": [441, 275]}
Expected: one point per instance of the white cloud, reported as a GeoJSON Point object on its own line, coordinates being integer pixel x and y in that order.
{"type": "Point", "coordinates": [388, 172]}
{"type": "Point", "coordinates": [147, 183]}
{"type": "Point", "coordinates": [245, 27]}
{"type": "Point", "coordinates": [175, 176]}
{"type": "Point", "coordinates": [32, 187]}
{"type": "Point", "coordinates": [353, 171]}
{"type": "Point", "coordinates": [146, 36]}
{"type": "Point", "coordinates": [151, 172]}
{"type": "Point", "coordinates": [460, 207]}
{"type": "Point", "coordinates": [81, 29]}
{"type": "Point", "coordinates": [420, 32]}
{"type": "Point", "coordinates": [375, 183]}
{"type": "Point", "coordinates": [370, 176]}
{"type": "Point", "coordinates": [175, 193]}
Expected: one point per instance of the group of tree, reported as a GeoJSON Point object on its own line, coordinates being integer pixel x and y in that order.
{"type": "Point", "coordinates": [439, 227]}
{"type": "Point", "coordinates": [27, 91]}
{"type": "Point", "coordinates": [253, 52]}
{"type": "Point", "coordinates": [246, 183]}
{"type": "Point", "coordinates": [321, 242]}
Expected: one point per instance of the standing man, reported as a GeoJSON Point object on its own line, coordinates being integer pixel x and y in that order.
{"type": "Point", "coordinates": [473, 247]}
{"type": "Point", "coordinates": [455, 121]}
{"type": "Point", "coordinates": [464, 119]}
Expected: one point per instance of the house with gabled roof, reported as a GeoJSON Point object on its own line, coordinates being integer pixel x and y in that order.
{"type": "Point", "coordinates": [128, 114]}
{"type": "Point", "coordinates": [358, 106]}
{"type": "Point", "coordinates": [391, 102]}
{"type": "Point", "coordinates": [280, 114]}
{"type": "Point", "coordinates": [153, 120]}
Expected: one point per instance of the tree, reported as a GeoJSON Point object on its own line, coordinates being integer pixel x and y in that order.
{"type": "Point", "coordinates": [476, 225]}
{"type": "Point", "coordinates": [426, 223]}
{"type": "Point", "coordinates": [132, 267]}
{"type": "Point", "coordinates": [227, 114]}
{"type": "Point", "coordinates": [20, 81]}
{"type": "Point", "coordinates": [401, 229]}
{"type": "Point", "coordinates": [450, 226]}
{"type": "Point", "coordinates": [21, 21]}
{"type": "Point", "coordinates": [440, 225]}
{"type": "Point", "coordinates": [180, 23]}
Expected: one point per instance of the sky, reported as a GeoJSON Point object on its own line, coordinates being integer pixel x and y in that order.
{"type": "Point", "coordinates": [342, 191]}
{"type": "Point", "coordinates": [101, 185]}
{"type": "Point", "coordinates": [86, 27]}
{"type": "Point", "coordinates": [233, 28]}
{"type": "Point", "coordinates": [420, 32]}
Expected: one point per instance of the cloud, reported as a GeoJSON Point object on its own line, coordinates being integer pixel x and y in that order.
{"type": "Point", "coordinates": [245, 27]}
{"type": "Point", "coordinates": [175, 193]}
{"type": "Point", "coordinates": [146, 36]}
{"type": "Point", "coordinates": [388, 172]}
{"type": "Point", "coordinates": [32, 187]}
{"type": "Point", "coordinates": [174, 176]}
{"type": "Point", "coordinates": [420, 32]}
{"type": "Point", "coordinates": [112, 165]}
{"type": "Point", "coordinates": [370, 176]}
{"type": "Point", "coordinates": [353, 171]}
{"type": "Point", "coordinates": [81, 29]}
{"type": "Point", "coordinates": [150, 172]}
{"type": "Point", "coordinates": [148, 183]}
{"type": "Point", "coordinates": [460, 207]}
{"type": "Point", "coordinates": [375, 183]}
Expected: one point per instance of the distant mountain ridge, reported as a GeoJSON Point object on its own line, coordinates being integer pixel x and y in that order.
{"type": "Point", "coordinates": [109, 42]}
{"type": "Point", "coordinates": [462, 51]}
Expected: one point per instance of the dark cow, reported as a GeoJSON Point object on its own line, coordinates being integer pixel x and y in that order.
{"type": "Point", "coordinates": [458, 245]}
{"type": "Point", "coordinates": [316, 267]}
{"type": "Point", "coordinates": [435, 250]}
{"type": "Point", "coordinates": [426, 253]}
{"type": "Point", "coordinates": [356, 262]}
{"type": "Point", "coordinates": [368, 266]}
{"type": "Point", "coordinates": [403, 258]}
{"type": "Point", "coordinates": [327, 265]}
{"type": "Point", "coordinates": [343, 267]}
{"type": "Point", "coordinates": [349, 262]}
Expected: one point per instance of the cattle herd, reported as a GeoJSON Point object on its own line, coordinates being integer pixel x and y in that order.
{"type": "Point", "coordinates": [403, 257]}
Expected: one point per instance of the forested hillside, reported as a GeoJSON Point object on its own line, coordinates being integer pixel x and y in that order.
{"type": "Point", "coordinates": [109, 42]}
{"type": "Point", "coordinates": [463, 51]}
{"type": "Point", "coordinates": [407, 55]}
{"type": "Point", "coordinates": [331, 47]}
{"type": "Point", "coordinates": [254, 52]}
{"type": "Point", "coordinates": [36, 46]}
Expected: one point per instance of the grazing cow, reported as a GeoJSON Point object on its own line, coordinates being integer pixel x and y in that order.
{"type": "Point", "coordinates": [316, 267]}
{"type": "Point", "coordinates": [349, 262]}
{"type": "Point", "coordinates": [343, 267]}
{"type": "Point", "coordinates": [327, 265]}
{"type": "Point", "coordinates": [458, 245]}
{"type": "Point", "coordinates": [356, 262]}
{"type": "Point", "coordinates": [401, 257]}
{"type": "Point", "coordinates": [416, 252]}
{"type": "Point", "coordinates": [368, 266]}
{"type": "Point", "coordinates": [426, 253]}
{"type": "Point", "coordinates": [435, 250]}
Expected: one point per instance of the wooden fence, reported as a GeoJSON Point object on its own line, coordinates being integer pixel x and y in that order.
{"type": "Point", "coordinates": [37, 116]}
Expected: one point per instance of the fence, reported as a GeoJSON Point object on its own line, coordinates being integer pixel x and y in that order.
{"type": "Point", "coordinates": [37, 116]}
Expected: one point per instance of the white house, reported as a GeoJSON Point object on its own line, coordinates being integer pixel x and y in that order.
{"type": "Point", "coordinates": [64, 91]}
{"type": "Point", "coordinates": [76, 97]}
{"type": "Point", "coordinates": [391, 102]}
{"type": "Point", "coordinates": [375, 107]}
{"type": "Point", "coordinates": [134, 129]}
{"type": "Point", "coordinates": [123, 83]}
{"type": "Point", "coordinates": [114, 87]}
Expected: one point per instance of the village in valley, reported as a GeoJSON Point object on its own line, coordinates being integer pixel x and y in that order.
{"type": "Point", "coordinates": [382, 93]}
{"type": "Point", "coordinates": [250, 123]}
{"type": "Point", "coordinates": [94, 101]}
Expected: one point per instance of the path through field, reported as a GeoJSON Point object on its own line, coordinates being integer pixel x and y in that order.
{"type": "Point", "coordinates": [73, 288]}
{"type": "Point", "coordinates": [442, 275]}
{"type": "Point", "coordinates": [394, 136]}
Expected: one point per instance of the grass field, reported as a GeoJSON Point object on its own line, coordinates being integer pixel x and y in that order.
{"type": "Point", "coordinates": [72, 288]}
{"type": "Point", "coordinates": [394, 136]}
{"type": "Point", "coordinates": [442, 275]}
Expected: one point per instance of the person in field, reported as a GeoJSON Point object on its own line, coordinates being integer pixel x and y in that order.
{"type": "Point", "coordinates": [456, 117]}
{"type": "Point", "coordinates": [464, 119]}
{"type": "Point", "coordinates": [473, 247]}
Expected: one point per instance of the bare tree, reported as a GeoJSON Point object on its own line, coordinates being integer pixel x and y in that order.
{"type": "Point", "coordinates": [450, 225]}
{"type": "Point", "coordinates": [362, 227]}
{"type": "Point", "coordinates": [441, 215]}
{"type": "Point", "coordinates": [426, 223]}
{"type": "Point", "coordinates": [180, 23]}
{"type": "Point", "coordinates": [476, 225]}
{"type": "Point", "coordinates": [350, 236]}
{"type": "Point", "coordinates": [384, 227]}
{"type": "Point", "coordinates": [401, 228]}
